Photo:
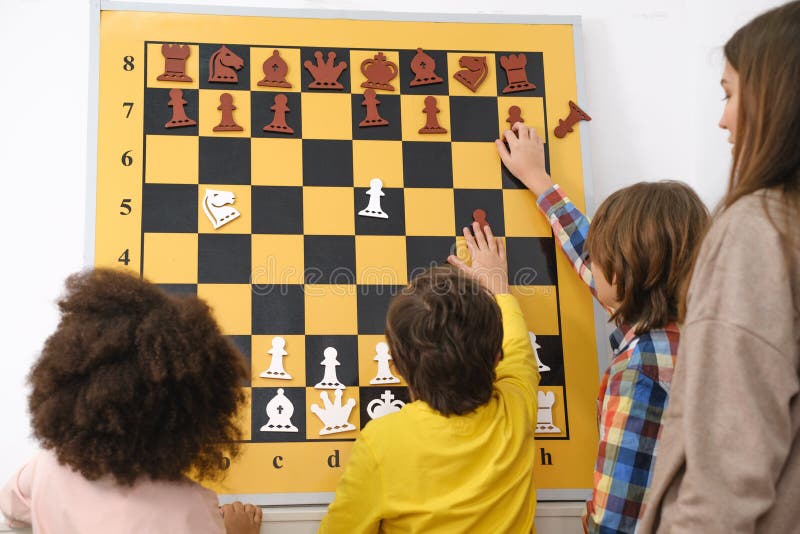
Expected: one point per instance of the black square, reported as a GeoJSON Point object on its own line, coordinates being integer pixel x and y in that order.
{"type": "Point", "coordinates": [180, 290]}
{"type": "Point", "coordinates": [262, 115]}
{"type": "Point", "coordinates": [473, 118]}
{"type": "Point", "coordinates": [330, 259]}
{"type": "Point", "coordinates": [489, 200]}
{"type": "Point", "coordinates": [342, 55]}
{"type": "Point", "coordinates": [373, 303]}
{"type": "Point", "coordinates": [407, 75]}
{"type": "Point", "coordinates": [346, 354]}
{"type": "Point", "coordinates": [277, 209]}
{"type": "Point", "coordinates": [551, 354]}
{"type": "Point", "coordinates": [278, 309]}
{"type": "Point", "coordinates": [169, 208]}
{"type": "Point", "coordinates": [427, 164]}
{"type": "Point", "coordinates": [158, 112]}
{"type": "Point", "coordinates": [369, 394]}
{"type": "Point", "coordinates": [422, 253]}
{"type": "Point", "coordinates": [389, 109]}
{"type": "Point", "coordinates": [236, 55]}
{"type": "Point", "coordinates": [327, 162]}
{"type": "Point", "coordinates": [223, 259]}
{"type": "Point", "coordinates": [531, 261]}
{"type": "Point", "coordinates": [258, 416]}
{"type": "Point", "coordinates": [393, 204]}
{"type": "Point", "coordinates": [534, 68]}
{"type": "Point", "coordinates": [244, 346]}
{"type": "Point", "coordinates": [511, 182]}
{"type": "Point", "coordinates": [224, 160]}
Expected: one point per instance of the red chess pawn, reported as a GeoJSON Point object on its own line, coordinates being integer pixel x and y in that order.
{"type": "Point", "coordinates": [432, 122]}
{"type": "Point", "coordinates": [373, 118]}
{"type": "Point", "coordinates": [278, 123]}
{"type": "Point", "coordinates": [514, 116]}
{"type": "Point", "coordinates": [227, 123]}
{"type": "Point", "coordinates": [179, 118]}
{"type": "Point", "coordinates": [479, 216]}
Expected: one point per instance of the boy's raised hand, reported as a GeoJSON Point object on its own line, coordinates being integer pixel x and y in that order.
{"type": "Point", "coordinates": [524, 157]}
{"type": "Point", "coordinates": [489, 265]}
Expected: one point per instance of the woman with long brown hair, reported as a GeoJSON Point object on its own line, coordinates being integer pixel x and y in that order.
{"type": "Point", "coordinates": [729, 456]}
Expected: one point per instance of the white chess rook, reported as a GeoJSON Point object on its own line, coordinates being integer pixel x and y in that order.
{"type": "Point", "coordinates": [276, 369]}
{"type": "Point", "coordinates": [544, 417]}
{"type": "Point", "coordinates": [279, 411]}
{"type": "Point", "coordinates": [375, 193]}
{"type": "Point", "coordinates": [383, 358]}
{"type": "Point", "coordinates": [334, 415]}
{"type": "Point", "coordinates": [329, 379]}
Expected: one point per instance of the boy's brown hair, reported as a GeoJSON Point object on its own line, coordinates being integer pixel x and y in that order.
{"type": "Point", "coordinates": [135, 383]}
{"type": "Point", "coordinates": [644, 238]}
{"type": "Point", "coordinates": [445, 332]}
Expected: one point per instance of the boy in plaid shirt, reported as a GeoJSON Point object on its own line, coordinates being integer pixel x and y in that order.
{"type": "Point", "coordinates": [641, 244]}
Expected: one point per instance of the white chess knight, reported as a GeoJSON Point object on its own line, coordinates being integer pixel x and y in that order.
{"type": "Point", "coordinates": [383, 358]}
{"type": "Point", "coordinates": [216, 208]}
{"type": "Point", "coordinates": [544, 417]}
{"type": "Point", "coordinates": [375, 193]}
{"type": "Point", "coordinates": [276, 369]}
{"type": "Point", "coordinates": [536, 347]}
{"type": "Point", "coordinates": [385, 405]}
{"type": "Point", "coordinates": [279, 411]}
{"type": "Point", "coordinates": [329, 379]}
{"type": "Point", "coordinates": [334, 415]}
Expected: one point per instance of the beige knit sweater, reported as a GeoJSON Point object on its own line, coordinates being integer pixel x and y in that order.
{"type": "Point", "coordinates": [729, 455]}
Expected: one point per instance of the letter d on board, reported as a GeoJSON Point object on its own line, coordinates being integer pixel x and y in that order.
{"type": "Point", "coordinates": [333, 459]}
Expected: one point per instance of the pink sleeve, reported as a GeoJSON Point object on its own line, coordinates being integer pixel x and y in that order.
{"type": "Point", "coordinates": [15, 497]}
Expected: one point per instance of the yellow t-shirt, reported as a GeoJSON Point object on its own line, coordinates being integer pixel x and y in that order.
{"type": "Point", "coordinates": [418, 471]}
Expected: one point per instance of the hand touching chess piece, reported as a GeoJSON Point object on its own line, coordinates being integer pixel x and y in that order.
{"type": "Point", "coordinates": [524, 157]}
{"type": "Point", "coordinates": [489, 265]}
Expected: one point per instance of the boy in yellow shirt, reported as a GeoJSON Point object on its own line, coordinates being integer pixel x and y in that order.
{"type": "Point", "coordinates": [459, 458]}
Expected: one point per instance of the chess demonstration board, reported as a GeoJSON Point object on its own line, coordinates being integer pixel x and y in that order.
{"type": "Point", "coordinates": [298, 262]}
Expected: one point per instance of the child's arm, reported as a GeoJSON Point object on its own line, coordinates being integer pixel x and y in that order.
{"type": "Point", "coordinates": [357, 507]}
{"type": "Point", "coordinates": [630, 420]}
{"type": "Point", "coordinates": [15, 497]}
{"type": "Point", "coordinates": [524, 157]}
{"type": "Point", "coordinates": [490, 268]}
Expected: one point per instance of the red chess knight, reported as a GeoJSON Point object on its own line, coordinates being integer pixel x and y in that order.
{"type": "Point", "coordinates": [174, 63]}
{"type": "Point", "coordinates": [514, 65]}
{"type": "Point", "coordinates": [326, 75]}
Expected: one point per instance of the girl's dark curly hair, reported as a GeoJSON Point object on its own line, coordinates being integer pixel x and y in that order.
{"type": "Point", "coordinates": [136, 383]}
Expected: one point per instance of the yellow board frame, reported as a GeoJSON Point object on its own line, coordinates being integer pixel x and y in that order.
{"type": "Point", "coordinates": [115, 180]}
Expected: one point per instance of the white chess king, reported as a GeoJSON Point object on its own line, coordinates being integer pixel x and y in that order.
{"type": "Point", "coordinates": [334, 415]}
{"type": "Point", "coordinates": [216, 208]}
{"type": "Point", "coordinates": [385, 405]}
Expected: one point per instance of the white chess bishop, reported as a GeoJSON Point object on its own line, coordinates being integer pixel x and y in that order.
{"type": "Point", "coordinates": [277, 352]}
{"type": "Point", "coordinates": [329, 379]}
{"type": "Point", "coordinates": [384, 375]}
{"type": "Point", "coordinates": [536, 347]}
{"type": "Point", "coordinates": [279, 411]}
{"type": "Point", "coordinates": [334, 415]}
{"type": "Point", "coordinates": [385, 405]}
{"type": "Point", "coordinates": [544, 417]}
{"type": "Point", "coordinates": [217, 209]}
{"type": "Point", "coordinates": [375, 193]}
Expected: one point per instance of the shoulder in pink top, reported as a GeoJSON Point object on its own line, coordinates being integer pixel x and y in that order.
{"type": "Point", "coordinates": [54, 498]}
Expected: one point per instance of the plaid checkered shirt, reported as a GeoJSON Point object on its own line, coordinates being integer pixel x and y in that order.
{"type": "Point", "coordinates": [633, 397]}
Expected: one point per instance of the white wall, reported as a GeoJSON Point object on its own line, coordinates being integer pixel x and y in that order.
{"type": "Point", "coordinates": [652, 71]}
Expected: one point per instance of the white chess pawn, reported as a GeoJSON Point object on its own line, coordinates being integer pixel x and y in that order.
{"type": "Point", "coordinates": [375, 193]}
{"type": "Point", "coordinates": [544, 416]}
{"type": "Point", "coordinates": [383, 357]}
{"type": "Point", "coordinates": [385, 405]}
{"type": "Point", "coordinates": [536, 347]}
{"type": "Point", "coordinates": [276, 369]}
{"type": "Point", "coordinates": [216, 208]}
{"type": "Point", "coordinates": [279, 411]}
{"type": "Point", "coordinates": [329, 379]}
